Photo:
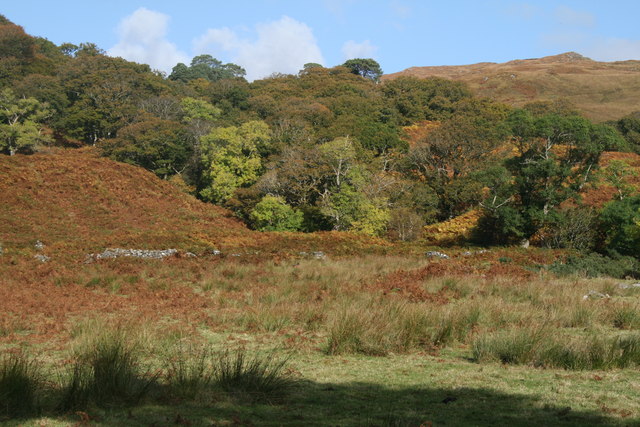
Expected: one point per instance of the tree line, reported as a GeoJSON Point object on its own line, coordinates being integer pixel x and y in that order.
{"type": "Point", "coordinates": [329, 148]}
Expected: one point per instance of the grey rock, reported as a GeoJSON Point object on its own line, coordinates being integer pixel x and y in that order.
{"type": "Point", "coordinates": [436, 254]}
{"type": "Point", "coordinates": [318, 255]}
{"type": "Point", "coordinates": [215, 252]}
{"type": "Point", "coordinates": [467, 253]}
{"type": "Point", "coordinates": [42, 258]}
{"type": "Point", "coordinates": [112, 253]}
{"type": "Point", "coordinates": [39, 245]}
{"type": "Point", "coordinates": [190, 255]}
{"type": "Point", "coordinates": [620, 285]}
{"type": "Point", "coordinates": [595, 295]}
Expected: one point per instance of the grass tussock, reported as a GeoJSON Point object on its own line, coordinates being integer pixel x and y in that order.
{"type": "Point", "coordinates": [378, 327]}
{"type": "Point", "coordinates": [20, 383]}
{"type": "Point", "coordinates": [107, 371]}
{"type": "Point", "coordinates": [257, 378]}
{"type": "Point", "coordinates": [190, 370]}
{"type": "Point", "coordinates": [521, 347]}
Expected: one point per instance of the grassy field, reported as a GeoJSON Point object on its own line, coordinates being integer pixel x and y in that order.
{"type": "Point", "coordinates": [480, 339]}
{"type": "Point", "coordinates": [285, 328]}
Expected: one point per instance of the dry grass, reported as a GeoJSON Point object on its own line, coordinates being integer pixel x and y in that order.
{"type": "Point", "coordinates": [602, 90]}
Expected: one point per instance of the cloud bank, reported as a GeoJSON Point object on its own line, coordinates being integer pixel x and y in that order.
{"type": "Point", "coordinates": [281, 46]}
{"type": "Point", "coordinates": [352, 49]}
{"type": "Point", "coordinates": [142, 38]}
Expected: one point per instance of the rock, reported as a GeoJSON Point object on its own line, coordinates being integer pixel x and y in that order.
{"type": "Point", "coordinates": [39, 245]}
{"type": "Point", "coordinates": [190, 255]}
{"type": "Point", "coordinates": [318, 255]}
{"type": "Point", "coordinates": [42, 258]}
{"type": "Point", "coordinates": [112, 253]}
{"type": "Point", "coordinates": [1, 249]}
{"type": "Point", "coordinates": [436, 254]}
{"type": "Point", "coordinates": [467, 253]}
{"type": "Point", "coordinates": [525, 243]}
{"type": "Point", "coordinates": [215, 252]}
{"type": "Point", "coordinates": [620, 285]}
{"type": "Point", "coordinates": [595, 295]}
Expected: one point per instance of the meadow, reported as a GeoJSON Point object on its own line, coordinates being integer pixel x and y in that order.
{"type": "Point", "coordinates": [483, 338]}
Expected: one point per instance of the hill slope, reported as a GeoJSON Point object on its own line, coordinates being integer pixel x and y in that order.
{"type": "Point", "coordinates": [602, 90]}
{"type": "Point", "coordinates": [78, 203]}
{"type": "Point", "coordinates": [73, 199]}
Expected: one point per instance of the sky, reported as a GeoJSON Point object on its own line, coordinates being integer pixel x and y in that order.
{"type": "Point", "coordinates": [280, 36]}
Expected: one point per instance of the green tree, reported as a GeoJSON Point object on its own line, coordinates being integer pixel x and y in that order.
{"type": "Point", "coordinates": [273, 213]}
{"type": "Point", "coordinates": [206, 67]}
{"type": "Point", "coordinates": [620, 226]}
{"type": "Point", "coordinates": [21, 123]}
{"type": "Point", "coordinates": [232, 158]}
{"type": "Point", "coordinates": [160, 146]}
{"type": "Point", "coordinates": [556, 156]}
{"type": "Point", "coordinates": [364, 67]}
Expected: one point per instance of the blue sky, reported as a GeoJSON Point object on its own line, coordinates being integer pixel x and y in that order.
{"type": "Point", "coordinates": [281, 35]}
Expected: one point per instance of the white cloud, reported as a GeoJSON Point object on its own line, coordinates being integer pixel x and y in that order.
{"type": "Point", "coordinates": [282, 46]}
{"type": "Point", "coordinates": [567, 16]}
{"type": "Point", "coordinates": [613, 49]}
{"type": "Point", "coordinates": [352, 49]}
{"type": "Point", "coordinates": [143, 39]}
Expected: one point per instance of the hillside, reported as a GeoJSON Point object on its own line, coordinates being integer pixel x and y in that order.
{"type": "Point", "coordinates": [75, 200]}
{"type": "Point", "coordinates": [76, 203]}
{"type": "Point", "coordinates": [602, 90]}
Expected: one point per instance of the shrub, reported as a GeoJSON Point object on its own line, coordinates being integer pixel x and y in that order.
{"type": "Point", "coordinates": [619, 221]}
{"type": "Point", "coordinates": [19, 384]}
{"type": "Point", "coordinates": [596, 265]}
{"type": "Point", "coordinates": [274, 214]}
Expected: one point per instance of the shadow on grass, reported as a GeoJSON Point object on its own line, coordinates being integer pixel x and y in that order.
{"type": "Point", "coordinates": [354, 404]}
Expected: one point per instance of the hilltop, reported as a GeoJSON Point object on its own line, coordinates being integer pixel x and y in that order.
{"type": "Point", "coordinates": [601, 90]}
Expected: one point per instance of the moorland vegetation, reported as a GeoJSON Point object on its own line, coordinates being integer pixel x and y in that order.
{"type": "Point", "coordinates": [301, 207]}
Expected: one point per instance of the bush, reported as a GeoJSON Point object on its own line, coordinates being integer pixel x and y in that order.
{"type": "Point", "coordinates": [19, 384]}
{"type": "Point", "coordinates": [596, 265]}
{"type": "Point", "coordinates": [274, 214]}
{"type": "Point", "coordinates": [619, 226]}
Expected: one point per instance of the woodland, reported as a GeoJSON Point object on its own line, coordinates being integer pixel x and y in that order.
{"type": "Point", "coordinates": [328, 148]}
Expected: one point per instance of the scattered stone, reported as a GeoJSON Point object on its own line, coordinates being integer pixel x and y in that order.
{"type": "Point", "coordinates": [39, 245]}
{"type": "Point", "coordinates": [42, 258]}
{"type": "Point", "coordinates": [621, 285]}
{"type": "Point", "coordinates": [112, 253]}
{"type": "Point", "coordinates": [303, 254]}
{"type": "Point", "coordinates": [215, 252]}
{"type": "Point", "coordinates": [524, 243]}
{"type": "Point", "coordinates": [318, 255]}
{"type": "Point", "coordinates": [235, 254]}
{"type": "Point", "coordinates": [190, 255]}
{"type": "Point", "coordinates": [436, 254]}
{"type": "Point", "coordinates": [467, 253]}
{"type": "Point", "coordinates": [1, 249]}
{"type": "Point", "coordinates": [595, 295]}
